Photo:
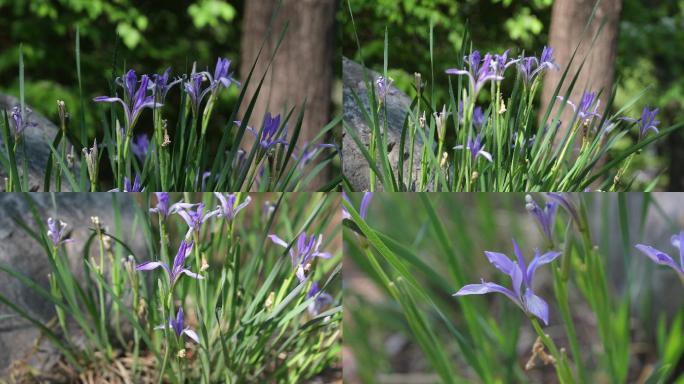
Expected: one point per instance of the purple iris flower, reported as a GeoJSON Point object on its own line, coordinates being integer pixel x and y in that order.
{"type": "Point", "coordinates": [178, 269]}
{"type": "Point", "coordinates": [137, 98]}
{"type": "Point", "coordinates": [476, 149]}
{"type": "Point", "coordinates": [663, 258]}
{"type": "Point", "coordinates": [363, 209]}
{"type": "Point", "coordinates": [478, 117]}
{"type": "Point", "coordinates": [584, 110]}
{"type": "Point", "coordinates": [502, 62]}
{"type": "Point", "coordinates": [310, 151]}
{"type": "Point", "coordinates": [530, 67]}
{"type": "Point", "coordinates": [193, 88]}
{"type": "Point", "coordinates": [383, 87]}
{"type": "Point", "coordinates": [546, 61]}
{"type": "Point", "coordinates": [303, 252]}
{"type": "Point", "coordinates": [646, 122]}
{"type": "Point", "coordinates": [321, 299]}
{"type": "Point", "coordinates": [20, 121]}
{"type": "Point", "coordinates": [161, 85]}
{"type": "Point", "coordinates": [136, 186]}
{"type": "Point", "coordinates": [221, 76]}
{"type": "Point", "coordinates": [57, 231]}
{"type": "Point", "coordinates": [522, 277]}
{"type": "Point", "coordinates": [162, 207]}
{"type": "Point", "coordinates": [178, 326]}
{"type": "Point", "coordinates": [192, 214]}
{"type": "Point", "coordinates": [478, 73]}
{"type": "Point", "coordinates": [268, 139]}
{"type": "Point", "coordinates": [140, 145]}
{"type": "Point", "coordinates": [229, 207]}
{"type": "Point", "coordinates": [566, 201]}
{"type": "Point", "coordinates": [526, 68]}
{"type": "Point", "coordinates": [545, 217]}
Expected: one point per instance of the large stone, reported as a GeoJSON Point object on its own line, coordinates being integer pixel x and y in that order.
{"type": "Point", "coordinates": [21, 341]}
{"type": "Point", "coordinates": [354, 164]}
{"type": "Point", "coordinates": [36, 137]}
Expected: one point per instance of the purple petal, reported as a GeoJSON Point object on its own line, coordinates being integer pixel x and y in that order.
{"type": "Point", "coordinates": [150, 265]}
{"type": "Point", "coordinates": [191, 334]}
{"type": "Point", "coordinates": [192, 274]}
{"type": "Point", "coordinates": [458, 72]}
{"type": "Point", "coordinates": [484, 288]}
{"type": "Point", "coordinates": [367, 196]}
{"type": "Point", "coordinates": [501, 262]}
{"type": "Point", "coordinates": [485, 154]}
{"type": "Point", "coordinates": [221, 198]}
{"type": "Point", "coordinates": [659, 257]}
{"type": "Point", "coordinates": [678, 241]}
{"type": "Point", "coordinates": [540, 260]}
{"type": "Point", "coordinates": [107, 99]}
{"type": "Point", "coordinates": [300, 274]}
{"type": "Point", "coordinates": [324, 255]}
{"type": "Point", "coordinates": [277, 240]}
{"type": "Point", "coordinates": [248, 199]}
{"type": "Point", "coordinates": [537, 306]}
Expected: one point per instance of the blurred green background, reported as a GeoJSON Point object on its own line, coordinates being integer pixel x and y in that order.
{"type": "Point", "coordinates": [384, 349]}
{"type": "Point", "coordinates": [650, 51]}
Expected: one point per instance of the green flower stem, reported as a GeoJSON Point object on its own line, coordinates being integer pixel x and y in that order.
{"type": "Point", "coordinates": [121, 166]}
{"type": "Point", "coordinates": [561, 156]}
{"type": "Point", "coordinates": [63, 145]}
{"type": "Point", "coordinates": [161, 151]}
{"type": "Point", "coordinates": [206, 115]}
{"type": "Point", "coordinates": [560, 285]}
{"type": "Point", "coordinates": [163, 239]}
{"type": "Point", "coordinates": [562, 369]}
{"type": "Point", "coordinates": [621, 171]}
{"type": "Point", "coordinates": [371, 150]}
{"type": "Point", "coordinates": [202, 302]}
{"type": "Point", "coordinates": [103, 310]}
{"type": "Point", "coordinates": [598, 296]}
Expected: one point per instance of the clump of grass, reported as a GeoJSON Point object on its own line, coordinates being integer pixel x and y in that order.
{"type": "Point", "coordinates": [208, 302]}
{"type": "Point", "coordinates": [486, 139]}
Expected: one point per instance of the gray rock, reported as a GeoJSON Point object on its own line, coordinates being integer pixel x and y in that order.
{"type": "Point", "coordinates": [354, 164]}
{"type": "Point", "coordinates": [36, 136]}
{"type": "Point", "coordinates": [25, 255]}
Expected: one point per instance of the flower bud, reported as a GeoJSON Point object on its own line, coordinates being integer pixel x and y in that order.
{"type": "Point", "coordinates": [71, 157]}
{"type": "Point", "coordinates": [440, 122]}
{"type": "Point", "coordinates": [445, 158]}
{"type": "Point", "coordinates": [91, 157]}
{"type": "Point", "coordinates": [61, 110]}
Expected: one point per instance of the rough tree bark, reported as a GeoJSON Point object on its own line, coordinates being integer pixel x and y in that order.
{"type": "Point", "coordinates": [303, 68]}
{"type": "Point", "coordinates": [568, 19]}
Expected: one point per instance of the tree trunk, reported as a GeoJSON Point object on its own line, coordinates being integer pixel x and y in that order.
{"type": "Point", "coordinates": [568, 20]}
{"type": "Point", "coordinates": [303, 68]}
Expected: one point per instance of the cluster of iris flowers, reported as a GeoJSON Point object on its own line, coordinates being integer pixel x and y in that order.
{"type": "Point", "coordinates": [469, 145]}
